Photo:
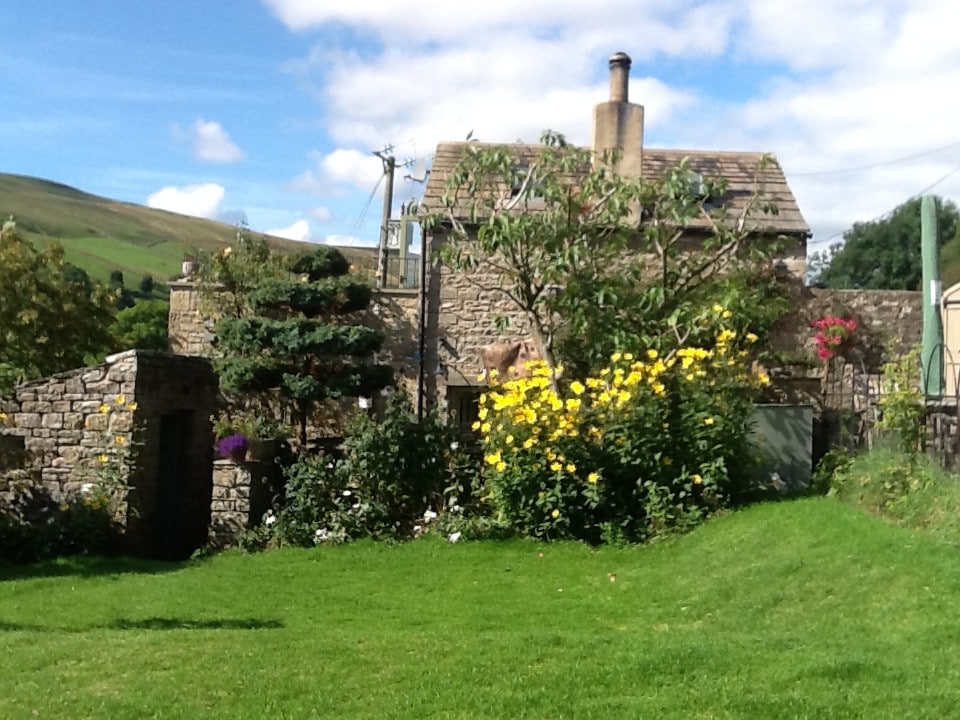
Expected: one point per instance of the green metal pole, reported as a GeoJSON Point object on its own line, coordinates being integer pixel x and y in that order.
{"type": "Point", "coordinates": [931, 344]}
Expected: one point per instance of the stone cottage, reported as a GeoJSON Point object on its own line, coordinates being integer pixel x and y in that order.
{"type": "Point", "coordinates": [460, 309]}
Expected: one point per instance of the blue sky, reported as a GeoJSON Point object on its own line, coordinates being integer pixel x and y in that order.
{"type": "Point", "coordinates": [271, 110]}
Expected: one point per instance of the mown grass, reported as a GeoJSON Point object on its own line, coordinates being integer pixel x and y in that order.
{"type": "Point", "coordinates": [801, 609]}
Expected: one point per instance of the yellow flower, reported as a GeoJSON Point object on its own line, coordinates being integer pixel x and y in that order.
{"type": "Point", "coordinates": [104, 408]}
{"type": "Point", "coordinates": [529, 443]}
{"type": "Point", "coordinates": [492, 458]}
{"type": "Point", "coordinates": [652, 354]}
{"type": "Point", "coordinates": [593, 477]}
{"type": "Point", "coordinates": [571, 468]}
{"type": "Point", "coordinates": [555, 514]}
{"type": "Point", "coordinates": [119, 440]}
{"type": "Point", "coordinates": [476, 425]}
{"type": "Point", "coordinates": [3, 417]}
{"type": "Point", "coordinates": [485, 427]}
{"type": "Point", "coordinates": [718, 308]}
{"type": "Point", "coordinates": [750, 338]}
{"type": "Point", "coordinates": [121, 400]}
{"type": "Point", "coordinates": [628, 356]}
{"type": "Point", "coordinates": [501, 466]}
{"type": "Point", "coordinates": [64, 507]}
{"type": "Point", "coordinates": [577, 387]}
{"type": "Point", "coordinates": [482, 414]}
{"type": "Point", "coordinates": [667, 460]}
{"type": "Point", "coordinates": [132, 406]}
{"type": "Point", "coordinates": [726, 314]}
{"type": "Point", "coordinates": [697, 479]}
{"type": "Point", "coordinates": [573, 404]}
{"type": "Point", "coordinates": [615, 357]}
{"type": "Point", "coordinates": [555, 466]}
{"type": "Point", "coordinates": [103, 459]}
{"type": "Point", "coordinates": [708, 421]}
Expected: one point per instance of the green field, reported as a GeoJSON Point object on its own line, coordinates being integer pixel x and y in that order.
{"type": "Point", "coordinates": [102, 235]}
{"type": "Point", "coordinates": [806, 609]}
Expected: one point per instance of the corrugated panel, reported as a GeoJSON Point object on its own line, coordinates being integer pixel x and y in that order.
{"type": "Point", "coordinates": [783, 435]}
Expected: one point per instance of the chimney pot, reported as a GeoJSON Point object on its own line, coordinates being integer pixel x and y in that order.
{"type": "Point", "coordinates": [619, 77]}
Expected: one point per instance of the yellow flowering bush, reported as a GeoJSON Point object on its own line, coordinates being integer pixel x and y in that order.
{"type": "Point", "coordinates": [647, 445]}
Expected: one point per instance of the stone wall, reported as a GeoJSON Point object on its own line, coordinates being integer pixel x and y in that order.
{"type": "Point", "coordinates": [883, 317]}
{"type": "Point", "coordinates": [189, 329]}
{"type": "Point", "coordinates": [147, 409]}
{"type": "Point", "coordinates": [460, 322]}
{"type": "Point", "coordinates": [242, 493]}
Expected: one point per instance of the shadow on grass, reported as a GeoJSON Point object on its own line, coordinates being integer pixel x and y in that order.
{"type": "Point", "coordinates": [154, 623]}
{"type": "Point", "coordinates": [87, 567]}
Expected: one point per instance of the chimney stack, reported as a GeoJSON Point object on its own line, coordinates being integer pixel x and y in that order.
{"type": "Point", "coordinates": [618, 123]}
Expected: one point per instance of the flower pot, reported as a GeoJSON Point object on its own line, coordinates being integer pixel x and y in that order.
{"type": "Point", "coordinates": [262, 449]}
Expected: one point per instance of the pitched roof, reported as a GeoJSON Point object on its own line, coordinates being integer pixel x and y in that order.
{"type": "Point", "coordinates": [742, 171]}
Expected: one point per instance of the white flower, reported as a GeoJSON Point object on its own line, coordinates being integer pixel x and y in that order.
{"type": "Point", "coordinates": [347, 493]}
{"type": "Point", "coordinates": [87, 488]}
{"type": "Point", "coordinates": [271, 519]}
{"type": "Point", "coordinates": [417, 529]}
{"type": "Point", "coordinates": [356, 505]}
{"type": "Point", "coordinates": [429, 515]}
{"type": "Point", "coordinates": [454, 537]}
{"type": "Point", "coordinates": [454, 445]}
{"type": "Point", "coordinates": [321, 535]}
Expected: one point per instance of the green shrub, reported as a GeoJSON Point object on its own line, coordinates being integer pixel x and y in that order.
{"type": "Point", "coordinates": [901, 403]}
{"type": "Point", "coordinates": [395, 477]}
{"type": "Point", "coordinates": [34, 525]}
{"type": "Point", "coordinates": [645, 447]}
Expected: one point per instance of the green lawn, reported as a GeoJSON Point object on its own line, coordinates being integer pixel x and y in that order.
{"type": "Point", "coordinates": [800, 609]}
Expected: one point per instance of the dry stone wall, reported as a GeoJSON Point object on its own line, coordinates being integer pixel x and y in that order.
{"type": "Point", "coordinates": [154, 406]}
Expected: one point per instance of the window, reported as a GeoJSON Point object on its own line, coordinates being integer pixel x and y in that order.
{"type": "Point", "coordinates": [463, 408]}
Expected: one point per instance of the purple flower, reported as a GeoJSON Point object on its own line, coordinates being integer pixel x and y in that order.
{"type": "Point", "coordinates": [232, 445]}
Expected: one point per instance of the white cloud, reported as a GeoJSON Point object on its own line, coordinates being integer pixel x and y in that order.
{"type": "Point", "coordinates": [300, 231]}
{"type": "Point", "coordinates": [337, 171]}
{"type": "Point", "coordinates": [211, 143]}
{"type": "Point", "coordinates": [320, 214]}
{"type": "Point", "coordinates": [196, 200]}
{"type": "Point", "coordinates": [347, 241]}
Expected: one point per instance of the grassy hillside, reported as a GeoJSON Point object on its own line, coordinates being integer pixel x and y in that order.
{"type": "Point", "coordinates": [101, 235]}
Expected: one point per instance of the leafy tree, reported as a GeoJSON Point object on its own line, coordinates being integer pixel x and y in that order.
{"type": "Point", "coordinates": [147, 285]}
{"type": "Point", "coordinates": [576, 264]}
{"type": "Point", "coordinates": [48, 323]}
{"type": "Point", "coordinates": [142, 326]}
{"type": "Point", "coordinates": [883, 254]}
{"type": "Point", "coordinates": [78, 276]}
{"type": "Point", "coordinates": [289, 329]}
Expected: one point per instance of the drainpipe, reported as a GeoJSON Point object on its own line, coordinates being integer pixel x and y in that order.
{"type": "Point", "coordinates": [426, 239]}
{"type": "Point", "coordinates": [931, 345]}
